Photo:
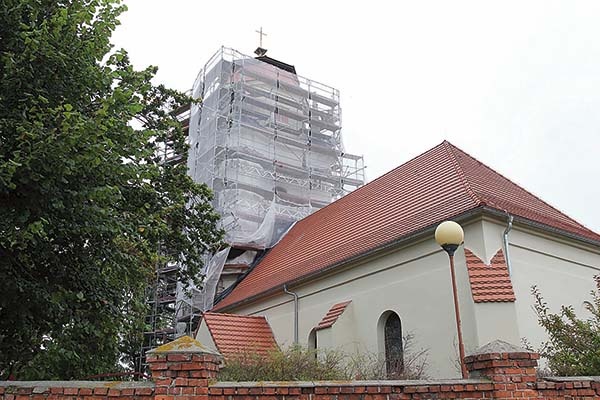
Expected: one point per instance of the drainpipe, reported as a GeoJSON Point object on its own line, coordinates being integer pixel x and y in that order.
{"type": "Point", "coordinates": [505, 237]}
{"type": "Point", "coordinates": [295, 295]}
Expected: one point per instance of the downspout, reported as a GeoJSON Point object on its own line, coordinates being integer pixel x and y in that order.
{"type": "Point", "coordinates": [295, 295]}
{"type": "Point", "coordinates": [505, 237]}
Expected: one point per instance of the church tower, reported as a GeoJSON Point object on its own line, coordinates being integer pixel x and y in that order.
{"type": "Point", "coordinates": [268, 143]}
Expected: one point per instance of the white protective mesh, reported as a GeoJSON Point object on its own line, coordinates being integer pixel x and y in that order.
{"type": "Point", "coordinates": [268, 143]}
{"type": "Point", "coordinates": [194, 299]}
{"type": "Point", "coordinates": [246, 258]}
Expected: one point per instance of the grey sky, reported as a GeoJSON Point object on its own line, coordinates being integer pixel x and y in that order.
{"type": "Point", "coordinates": [514, 83]}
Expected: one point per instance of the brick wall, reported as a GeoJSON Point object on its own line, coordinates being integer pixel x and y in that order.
{"type": "Point", "coordinates": [185, 370]}
{"type": "Point", "coordinates": [82, 390]}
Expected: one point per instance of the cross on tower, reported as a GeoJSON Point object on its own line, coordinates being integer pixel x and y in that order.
{"type": "Point", "coordinates": [261, 34]}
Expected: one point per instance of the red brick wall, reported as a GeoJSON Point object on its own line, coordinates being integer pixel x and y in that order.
{"type": "Point", "coordinates": [79, 390]}
{"type": "Point", "coordinates": [355, 390]}
{"type": "Point", "coordinates": [192, 375]}
{"type": "Point", "coordinates": [572, 388]}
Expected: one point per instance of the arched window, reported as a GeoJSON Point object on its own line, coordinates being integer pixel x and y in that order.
{"type": "Point", "coordinates": [394, 356]}
{"type": "Point", "coordinates": [312, 340]}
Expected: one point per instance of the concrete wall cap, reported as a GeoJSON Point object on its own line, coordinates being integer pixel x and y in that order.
{"type": "Point", "coordinates": [498, 346]}
{"type": "Point", "coordinates": [269, 384]}
{"type": "Point", "coordinates": [572, 378]}
{"type": "Point", "coordinates": [78, 384]}
{"type": "Point", "coordinates": [184, 344]}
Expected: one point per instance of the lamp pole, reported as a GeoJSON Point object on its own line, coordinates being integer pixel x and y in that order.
{"type": "Point", "coordinates": [449, 236]}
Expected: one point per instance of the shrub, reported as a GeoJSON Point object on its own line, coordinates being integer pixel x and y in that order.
{"type": "Point", "coordinates": [294, 363]}
{"type": "Point", "coordinates": [298, 363]}
{"type": "Point", "coordinates": [371, 366]}
{"type": "Point", "coordinates": [573, 346]}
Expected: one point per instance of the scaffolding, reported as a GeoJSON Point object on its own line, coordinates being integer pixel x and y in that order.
{"type": "Point", "coordinates": [268, 143]}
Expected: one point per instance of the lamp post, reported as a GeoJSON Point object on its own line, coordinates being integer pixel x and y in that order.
{"type": "Point", "coordinates": [450, 235]}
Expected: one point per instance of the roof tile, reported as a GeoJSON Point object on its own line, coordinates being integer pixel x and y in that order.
{"type": "Point", "coordinates": [440, 184]}
{"type": "Point", "coordinates": [235, 334]}
{"type": "Point", "coordinates": [489, 283]}
{"type": "Point", "coordinates": [332, 315]}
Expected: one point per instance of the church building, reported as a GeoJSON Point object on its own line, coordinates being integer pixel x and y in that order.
{"type": "Point", "coordinates": [363, 271]}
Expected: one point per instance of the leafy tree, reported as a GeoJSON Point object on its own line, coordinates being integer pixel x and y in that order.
{"type": "Point", "coordinates": [86, 201]}
{"type": "Point", "coordinates": [573, 347]}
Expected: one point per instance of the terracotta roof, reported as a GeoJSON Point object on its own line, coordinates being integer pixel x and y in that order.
{"type": "Point", "coordinates": [332, 315]}
{"type": "Point", "coordinates": [439, 184]}
{"type": "Point", "coordinates": [489, 283]}
{"type": "Point", "coordinates": [234, 334]}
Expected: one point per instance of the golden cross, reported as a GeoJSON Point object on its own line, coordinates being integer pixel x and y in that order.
{"type": "Point", "coordinates": [260, 32]}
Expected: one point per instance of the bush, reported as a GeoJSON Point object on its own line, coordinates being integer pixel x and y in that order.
{"type": "Point", "coordinates": [371, 366]}
{"type": "Point", "coordinates": [573, 346]}
{"type": "Point", "coordinates": [298, 363]}
{"type": "Point", "coordinates": [295, 363]}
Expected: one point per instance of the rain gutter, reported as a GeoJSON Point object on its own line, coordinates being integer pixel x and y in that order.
{"type": "Point", "coordinates": [295, 295]}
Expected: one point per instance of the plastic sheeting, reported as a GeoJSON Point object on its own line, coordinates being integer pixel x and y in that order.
{"type": "Point", "coordinates": [193, 299]}
{"type": "Point", "coordinates": [213, 273]}
{"type": "Point", "coordinates": [268, 143]}
{"type": "Point", "coordinates": [246, 258]}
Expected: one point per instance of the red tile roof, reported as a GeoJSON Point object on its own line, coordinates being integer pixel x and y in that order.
{"type": "Point", "coordinates": [489, 283]}
{"type": "Point", "coordinates": [332, 315]}
{"type": "Point", "coordinates": [235, 334]}
{"type": "Point", "coordinates": [439, 184]}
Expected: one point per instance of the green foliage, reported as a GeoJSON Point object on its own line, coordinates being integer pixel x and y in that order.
{"type": "Point", "coordinates": [573, 347]}
{"type": "Point", "coordinates": [298, 363]}
{"type": "Point", "coordinates": [85, 202]}
{"type": "Point", "coordinates": [295, 363]}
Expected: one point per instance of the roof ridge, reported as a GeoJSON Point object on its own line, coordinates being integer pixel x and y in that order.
{"type": "Point", "coordinates": [235, 315]}
{"type": "Point", "coordinates": [517, 185]}
{"type": "Point", "coordinates": [449, 149]}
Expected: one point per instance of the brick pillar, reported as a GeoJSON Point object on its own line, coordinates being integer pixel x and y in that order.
{"type": "Point", "coordinates": [182, 369]}
{"type": "Point", "coordinates": [511, 369]}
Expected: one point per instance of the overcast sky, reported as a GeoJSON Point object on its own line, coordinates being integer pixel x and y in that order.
{"type": "Point", "coordinates": [516, 84]}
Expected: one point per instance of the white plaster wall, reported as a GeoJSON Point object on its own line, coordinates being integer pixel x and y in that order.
{"type": "Point", "coordinates": [561, 268]}
{"type": "Point", "coordinates": [467, 307]}
{"type": "Point", "coordinates": [564, 274]}
{"type": "Point", "coordinates": [341, 335]}
{"type": "Point", "coordinates": [414, 282]}
{"type": "Point", "coordinates": [343, 331]}
{"type": "Point", "coordinates": [491, 321]}
{"type": "Point", "coordinates": [203, 336]}
{"type": "Point", "coordinates": [325, 339]}
{"type": "Point", "coordinates": [497, 321]}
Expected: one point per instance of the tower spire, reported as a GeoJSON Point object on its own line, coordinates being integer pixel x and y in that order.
{"type": "Point", "coordinates": [261, 34]}
{"type": "Point", "coordinates": [260, 50]}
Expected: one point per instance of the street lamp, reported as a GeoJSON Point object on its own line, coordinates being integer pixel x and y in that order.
{"type": "Point", "coordinates": [450, 235]}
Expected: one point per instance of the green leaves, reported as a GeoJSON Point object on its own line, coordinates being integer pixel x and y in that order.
{"type": "Point", "coordinates": [573, 346]}
{"type": "Point", "coordinates": [77, 184]}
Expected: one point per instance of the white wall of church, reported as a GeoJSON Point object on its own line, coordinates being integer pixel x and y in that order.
{"type": "Point", "coordinates": [414, 282]}
{"type": "Point", "coordinates": [563, 270]}
{"type": "Point", "coordinates": [203, 336]}
{"type": "Point", "coordinates": [497, 321]}
{"type": "Point", "coordinates": [490, 321]}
